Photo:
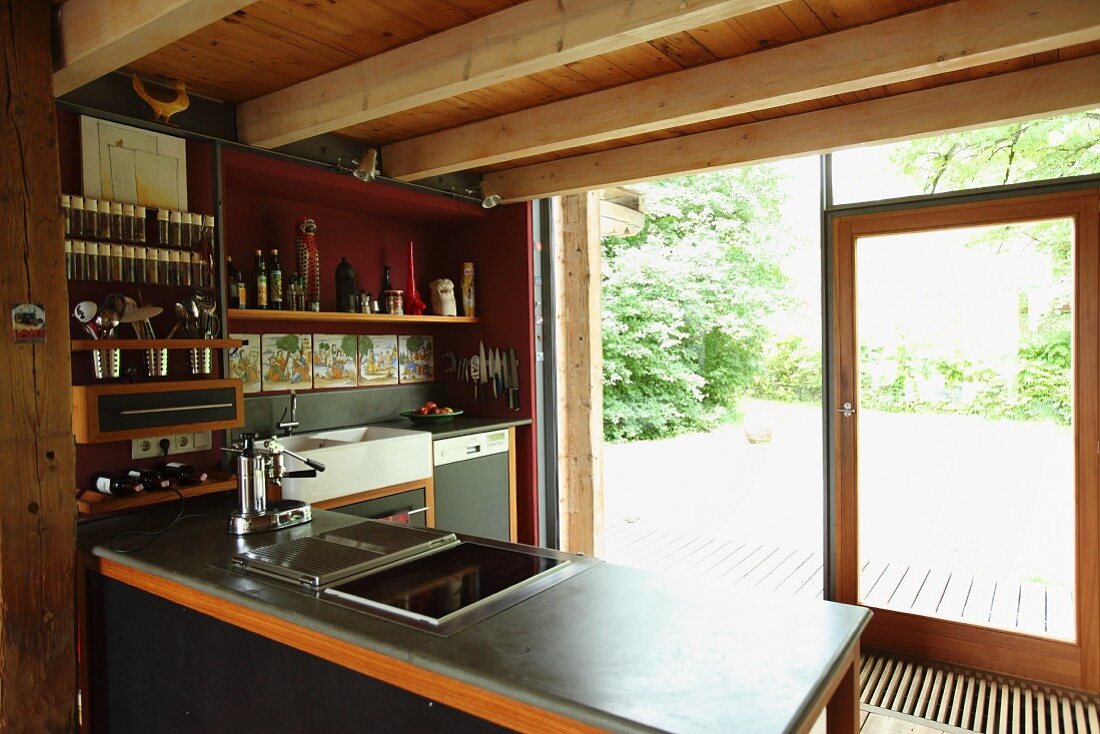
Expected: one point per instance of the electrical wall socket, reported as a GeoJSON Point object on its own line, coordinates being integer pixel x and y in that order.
{"type": "Point", "coordinates": [179, 443]}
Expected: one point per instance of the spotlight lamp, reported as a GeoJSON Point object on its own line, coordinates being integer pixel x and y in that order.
{"type": "Point", "coordinates": [366, 166]}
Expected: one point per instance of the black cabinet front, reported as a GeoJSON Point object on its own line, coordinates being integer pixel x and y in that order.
{"type": "Point", "coordinates": [409, 507]}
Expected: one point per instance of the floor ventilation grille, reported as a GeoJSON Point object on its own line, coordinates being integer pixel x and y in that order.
{"type": "Point", "coordinates": [959, 700]}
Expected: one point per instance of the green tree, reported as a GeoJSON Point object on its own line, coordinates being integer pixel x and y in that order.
{"type": "Point", "coordinates": [347, 344]}
{"type": "Point", "coordinates": [1049, 148]}
{"type": "Point", "coordinates": [684, 302]}
{"type": "Point", "coordinates": [1053, 147]}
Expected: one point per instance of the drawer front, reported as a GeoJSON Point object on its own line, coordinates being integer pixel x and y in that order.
{"type": "Point", "coordinates": [103, 413]}
{"type": "Point", "coordinates": [156, 410]}
{"type": "Point", "coordinates": [408, 506]}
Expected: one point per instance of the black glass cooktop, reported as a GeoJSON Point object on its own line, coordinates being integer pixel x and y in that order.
{"type": "Point", "coordinates": [433, 587]}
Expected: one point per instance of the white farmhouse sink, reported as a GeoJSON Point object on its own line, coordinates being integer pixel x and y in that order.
{"type": "Point", "coordinates": [357, 460]}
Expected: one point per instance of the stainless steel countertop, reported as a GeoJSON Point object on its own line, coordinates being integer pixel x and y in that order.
{"type": "Point", "coordinates": [614, 647]}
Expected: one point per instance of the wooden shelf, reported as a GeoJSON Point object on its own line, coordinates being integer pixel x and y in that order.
{"type": "Point", "coordinates": [91, 503]}
{"type": "Point", "coordinates": [235, 314]}
{"type": "Point", "coordinates": [85, 345]}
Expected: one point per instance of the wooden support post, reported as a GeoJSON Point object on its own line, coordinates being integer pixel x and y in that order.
{"type": "Point", "coordinates": [580, 372]}
{"type": "Point", "coordinates": [37, 508]}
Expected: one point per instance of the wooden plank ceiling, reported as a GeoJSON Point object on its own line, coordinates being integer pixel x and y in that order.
{"type": "Point", "coordinates": [296, 68]}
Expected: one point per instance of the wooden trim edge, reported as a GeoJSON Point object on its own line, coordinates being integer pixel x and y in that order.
{"type": "Point", "coordinates": [494, 707]}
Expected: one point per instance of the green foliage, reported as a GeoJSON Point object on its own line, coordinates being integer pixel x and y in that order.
{"type": "Point", "coordinates": [414, 343]}
{"type": "Point", "coordinates": [366, 344]}
{"type": "Point", "coordinates": [347, 343]}
{"type": "Point", "coordinates": [1053, 147]}
{"type": "Point", "coordinates": [791, 373]}
{"type": "Point", "coordinates": [684, 302]}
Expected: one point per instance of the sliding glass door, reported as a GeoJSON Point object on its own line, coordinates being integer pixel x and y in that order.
{"type": "Point", "coordinates": [965, 422]}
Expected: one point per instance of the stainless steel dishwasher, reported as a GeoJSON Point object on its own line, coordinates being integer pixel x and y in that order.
{"type": "Point", "coordinates": [471, 484]}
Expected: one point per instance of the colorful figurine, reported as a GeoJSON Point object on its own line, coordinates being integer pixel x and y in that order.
{"type": "Point", "coordinates": [309, 262]}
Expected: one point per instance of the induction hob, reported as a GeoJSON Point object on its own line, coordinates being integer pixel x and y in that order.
{"type": "Point", "coordinates": [421, 577]}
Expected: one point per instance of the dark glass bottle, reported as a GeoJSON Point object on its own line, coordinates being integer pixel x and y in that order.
{"type": "Point", "coordinates": [182, 473]}
{"type": "Point", "coordinates": [346, 289]}
{"type": "Point", "coordinates": [259, 281]}
{"type": "Point", "coordinates": [385, 287]}
{"type": "Point", "coordinates": [275, 283]}
{"type": "Point", "coordinates": [150, 478]}
{"type": "Point", "coordinates": [116, 485]}
{"type": "Point", "coordinates": [232, 283]}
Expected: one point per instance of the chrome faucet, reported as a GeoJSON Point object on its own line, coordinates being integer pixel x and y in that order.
{"type": "Point", "coordinates": [288, 426]}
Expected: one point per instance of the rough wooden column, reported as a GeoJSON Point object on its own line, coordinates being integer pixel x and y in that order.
{"type": "Point", "coordinates": [37, 509]}
{"type": "Point", "coordinates": [580, 372]}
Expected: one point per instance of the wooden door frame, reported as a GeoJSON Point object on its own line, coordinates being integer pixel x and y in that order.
{"type": "Point", "coordinates": [1069, 664]}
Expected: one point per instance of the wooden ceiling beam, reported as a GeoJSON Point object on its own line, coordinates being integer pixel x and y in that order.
{"type": "Point", "coordinates": [525, 39]}
{"type": "Point", "coordinates": [947, 38]}
{"type": "Point", "coordinates": [1046, 90]}
{"type": "Point", "coordinates": [95, 37]}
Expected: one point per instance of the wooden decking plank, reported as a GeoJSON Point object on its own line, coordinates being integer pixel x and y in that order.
{"type": "Point", "coordinates": [1061, 614]}
{"type": "Point", "coordinates": [979, 604]}
{"type": "Point", "coordinates": [683, 559]}
{"type": "Point", "coordinates": [906, 594]}
{"type": "Point", "coordinates": [766, 569]}
{"type": "Point", "coordinates": [1006, 603]}
{"type": "Point", "coordinates": [743, 570]}
{"type": "Point", "coordinates": [802, 576]}
{"type": "Point", "coordinates": [675, 551]}
{"type": "Point", "coordinates": [785, 575]}
{"type": "Point", "coordinates": [700, 561]}
{"type": "Point", "coordinates": [869, 575]}
{"type": "Point", "coordinates": [730, 560]}
{"type": "Point", "coordinates": [931, 592]}
{"type": "Point", "coordinates": [887, 585]}
{"type": "Point", "coordinates": [737, 564]}
{"type": "Point", "coordinates": [1032, 615]}
{"type": "Point", "coordinates": [954, 597]}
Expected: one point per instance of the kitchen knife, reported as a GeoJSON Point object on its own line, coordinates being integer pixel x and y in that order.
{"type": "Point", "coordinates": [483, 376]}
{"type": "Point", "coordinates": [514, 377]}
{"type": "Point", "coordinates": [508, 379]}
{"type": "Point", "coordinates": [498, 374]}
{"type": "Point", "coordinates": [493, 366]}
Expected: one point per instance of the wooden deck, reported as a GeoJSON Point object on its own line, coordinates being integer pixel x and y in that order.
{"type": "Point", "coordinates": [1013, 604]}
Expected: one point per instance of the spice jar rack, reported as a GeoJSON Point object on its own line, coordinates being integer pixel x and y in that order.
{"type": "Point", "coordinates": [108, 241]}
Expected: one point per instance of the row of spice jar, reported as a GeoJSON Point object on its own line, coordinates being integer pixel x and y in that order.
{"type": "Point", "coordinates": [111, 220]}
{"type": "Point", "coordinates": [135, 264]}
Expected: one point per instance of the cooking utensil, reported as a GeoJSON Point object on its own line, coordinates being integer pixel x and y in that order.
{"type": "Point", "coordinates": [475, 374]}
{"type": "Point", "coordinates": [514, 379]}
{"type": "Point", "coordinates": [85, 311]}
{"type": "Point", "coordinates": [106, 322]}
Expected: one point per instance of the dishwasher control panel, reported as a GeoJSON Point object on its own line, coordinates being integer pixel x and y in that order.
{"type": "Point", "coordinates": [462, 448]}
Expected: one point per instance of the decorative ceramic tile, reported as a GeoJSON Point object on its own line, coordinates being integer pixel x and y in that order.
{"type": "Point", "coordinates": [417, 359]}
{"type": "Point", "coordinates": [334, 360]}
{"type": "Point", "coordinates": [285, 361]}
{"type": "Point", "coordinates": [377, 360]}
{"type": "Point", "coordinates": [244, 362]}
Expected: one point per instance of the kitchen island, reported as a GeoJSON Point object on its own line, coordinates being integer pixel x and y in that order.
{"type": "Point", "coordinates": [611, 648]}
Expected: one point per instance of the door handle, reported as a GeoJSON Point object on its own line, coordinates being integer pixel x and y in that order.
{"type": "Point", "coordinates": [846, 410]}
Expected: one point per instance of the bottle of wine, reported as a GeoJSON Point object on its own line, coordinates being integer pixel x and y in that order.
{"type": "Point", "coordinates": [385, 287]}
{"type": "Point", "coordinates": [275, 283]}
{"type": "Point", "coordinates": [182, 473]}
{"type": "Point", "coordinates": [116, 485]}
{"type": "Point", "coordinates": [259, 281]}
{"type": "Point", "coordinates": [232, 283]}
{"type": "Point", "coordinates": [150, 478]}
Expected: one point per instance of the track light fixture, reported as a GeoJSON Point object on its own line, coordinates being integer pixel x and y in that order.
{"type": "Point", "coordinates": [366, 166]}
{"type": "Point", "coordinates": [487, 198]}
